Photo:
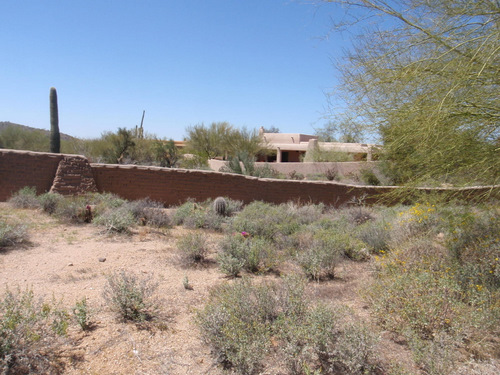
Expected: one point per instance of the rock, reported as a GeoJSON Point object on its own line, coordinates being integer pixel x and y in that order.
{"type": "Point", "coordinates": [102, 260]}
{"type": "Point", "coordinates": [70, 264]}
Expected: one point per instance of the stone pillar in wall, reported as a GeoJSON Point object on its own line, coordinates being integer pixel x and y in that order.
{"type": "Point", "coordinates": [74, 177]}
{"type": "Point", "coordinates": [278, 155]}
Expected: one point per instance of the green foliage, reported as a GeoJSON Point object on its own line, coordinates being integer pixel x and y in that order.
{"type": "Point", "coordinates": [18, 138]}
{"type": "Point", "coordinates": [30, 333]}
{"type": "Point", "coordinates": [82, 314]}
{"type": "Point", "coordinates": [198, 215]}
{"type": "Point", "coordinates": [166, 153]}
{"type": "Point", "coordinates": [25, 198]}
{"type": "Point", "coordinates": [193, 249]}
{"type": "Point", "coordinates": [427, 83]}
{"type": "Point", "coordinates": [220, 139]}
{"type": "Point", "coordinates": [130, 296]}
{"type": "Point", "coordinates": [117, 220]}
{"type": "Point", "coordinates": [440, 291]}
{"type": "Point", "coordinates": [320, 155]}
{"type": "Point", "coordinates": [12, 234]}
{"type": "Point", "coordinates": [50, 201]}
{"type": "Point", "coordinates": [55, 137]}
{"type": "Point", "coordinates": [121, 145]}
{"type": "Point", "coordinates": [369, 177]}
{"type": "Point", "coordinates": [240, 252]}
{"type": "Point", "coordinates": [265, 220]}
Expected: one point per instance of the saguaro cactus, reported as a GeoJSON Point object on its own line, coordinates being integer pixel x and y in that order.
{"type": "Point", "coordinates": [55, 137]}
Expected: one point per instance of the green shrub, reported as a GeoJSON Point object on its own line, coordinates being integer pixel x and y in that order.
{"type": "Point", "coordinates": [117, 220]}
{"type": "Point", "coordinates": [265, 220]}
{"type": "Point", "coordinates": [25, 198]}
{"type": "Point", "coordinates": [193, 249]}
{"type": "Point", "coordinates": [242, 319]}
{"type": "Point", "coordinates": [82, 314]}
{"type": "Point", "coordinates": [375, 234]}
{"type": "Point", "coordinates": [130, 296]}
{"type": "Point", "coordinates": [238, 252]}
{"type": "Point", "coordinates": [199, 215]}
{"type": "Point", "coordinates": [30, 333]}
{"type": "Point", "coordinates": [50, 202]}
{"type": "Point", "coordinates": [12, 234]}
{"type": "Point", "coordinates": [149, 212]}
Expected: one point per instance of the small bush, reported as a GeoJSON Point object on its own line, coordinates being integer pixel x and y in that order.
{"type": "Point", "coordinates": [30, 333]}
{"type": "Point", "coordinates": [266, 220]}
{"type": "Point", "coordinates": [193, 249]}
{"type": "Point", "coordinates": [130, 296]}
{"type": "Point", "coordinates": [25, 198]}
{"type": "Point", "coordinates": [82, 314]}
{"type": "Point", "coordinates": [50, 202]}
{"type": "Point", "coordinates": [116, 219]}
{"type": "Point", "coordinates": [375, 234]}
{"type": "Point", "coordinates": [149, 212]}
{"type": "Point", "coordinates": [12, 234]}
{"type": "Point", "coordinates": [255, 255]}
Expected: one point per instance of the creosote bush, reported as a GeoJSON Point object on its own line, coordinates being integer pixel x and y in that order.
{"type": "Point", "coordinates": [130, 296]}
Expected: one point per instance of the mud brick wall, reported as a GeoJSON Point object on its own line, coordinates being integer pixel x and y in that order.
{"type": "Point", "coordinates": [173, 186]}
{"type": "Point", "coordinates": [25, 168]}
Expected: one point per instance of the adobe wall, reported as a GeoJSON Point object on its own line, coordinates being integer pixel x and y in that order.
{"type": "Point", "coordinates": [172, 186]}
{"type": "Point", "coordinates": [26, 168]}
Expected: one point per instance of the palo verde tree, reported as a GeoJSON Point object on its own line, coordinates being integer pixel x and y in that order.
{"type": "Point", "coordinates": [221, 139]}
{"type": "Point", "coordinates": [426, 77]}
{"type": "Point", "coordinates": [55, 137]}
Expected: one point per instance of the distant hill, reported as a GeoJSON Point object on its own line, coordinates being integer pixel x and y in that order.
{"type": "Point", "coordinates": [6, 124]}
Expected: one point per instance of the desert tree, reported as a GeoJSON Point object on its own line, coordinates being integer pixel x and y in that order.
{"type": "Point", "coordinates": [425, 76]}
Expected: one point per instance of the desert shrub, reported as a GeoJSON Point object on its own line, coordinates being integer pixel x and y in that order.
{"type": "Point", "coordinates": [25, 198]}
{"type": "Point", "coordinates": [420, 292]}
{"type": "Point", "coordinates": [241, 320]}
{"type": "Point", "coordinates": [117, 220]}
{"type": "Point", "coordinates": [357, 214]}
{"type": "Point", "coordinates": [238, 252]}
{"type": "Point", "coordinates": [204, 218]}
{"type": "Point", "coordinates": [193, 249]}
{"type": "Point", "coordinates": [265, 220]}
{"type": "Point", "coordinates": [418, 220]}
{"type": "Point", "coordinates": [265, 171]}
{"type": "Point", "coordinates": [306, 213]}
{"type": "Point", "coordinates": [131, 296]}
{"type": "Point", "coordinates": [50, 202]}
{"type": "Point", "coordinates": [71, 209]}
{"type": "Point", "coordinates": [12, 234]}
{"type": "Point", "coordinates": [183, 211]}
{"type": "Point", "coordinates": [30, 332]}
{"type": "Point", "coordinates": [375, 235]}
{"type": "Point", "coordinates": [147, 211]}
{"type": "Point", "coordinates": [474, 242]}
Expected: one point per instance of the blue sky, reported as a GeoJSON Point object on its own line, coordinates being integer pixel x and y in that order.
{"type": "Point", "coordinates": [185, 62]}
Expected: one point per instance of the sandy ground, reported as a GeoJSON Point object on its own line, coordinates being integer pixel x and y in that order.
{"type": "Point", "coordinates": [65, 262]}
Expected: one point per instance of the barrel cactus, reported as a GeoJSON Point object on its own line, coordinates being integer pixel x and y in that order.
{"type": "Point", "coordinates": [220, 206]}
